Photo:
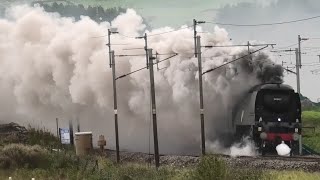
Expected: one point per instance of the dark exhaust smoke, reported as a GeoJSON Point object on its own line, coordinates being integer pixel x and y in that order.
{"type": "Point", "coordinates": [262, 67]}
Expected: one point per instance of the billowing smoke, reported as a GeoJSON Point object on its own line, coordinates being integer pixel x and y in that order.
{"type": "Point", "coordinates": [265, 69]}
{"type": "Point", "coordinates": [245, 147]}
{"type": "Point", "coordinates": [54, 67]}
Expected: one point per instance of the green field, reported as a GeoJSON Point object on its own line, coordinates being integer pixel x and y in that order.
{"type": "Point", "coordinates": [311, 138]}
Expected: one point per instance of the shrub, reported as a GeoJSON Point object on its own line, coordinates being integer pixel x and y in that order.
{"type": "Point", "coordinates": [18, 155]}
{"type": "Point", "coordinates": [42, 137]}
{"type": "Point", "coordinates": [210, 167]}
{"type": "Point", "coordinates": [63, 160]}
{"type": "Point", "coordinates": [214, 168]}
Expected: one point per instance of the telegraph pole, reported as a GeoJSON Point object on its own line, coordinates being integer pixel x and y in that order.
{"type": "Point", "coordinates": [195, 36]}
{"type": "Point", "coordinates": [146, 47]}
{"type": "Point", "coordinates": [115, 104]}
{"type": "Point", "coordinates": [195, 23]}
{"type": "Point", "coordinates": [298, 65]}
{"type": "Point", "coordinates": [110, 32]}
{"type": "Point", "coordinates": [145, 37]}
{"type": "Point", "coordinates": [299, 46]}
{"type": "Point", "coordinates": [57, 126]}
{"type": "Point", "coordinates": [203, 145]}
{"type": "Point", "coordinates": [109, 45]}
{"type": "Point", "coordinates": [157, 61]}
{"type": "Point", "coordinates": [154, 109]}
{"type": "Point", "coordinates": [298, 69]}
{"type": "Point", "coordinates": [299, 52]}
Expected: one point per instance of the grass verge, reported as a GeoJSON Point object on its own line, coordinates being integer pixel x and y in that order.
{"type": "Point", "coordinates": [67, 166]}
{"type": "Point", "coordinates": [311, 138]}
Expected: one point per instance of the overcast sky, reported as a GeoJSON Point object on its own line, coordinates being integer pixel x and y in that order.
{"type": "Point", "coordinates": [178, 12]}
{"type": "Point", "coordinates": [282, 35]}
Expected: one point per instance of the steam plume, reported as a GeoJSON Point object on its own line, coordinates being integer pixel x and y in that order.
{"type": "Point", "coordinates": [53, 67]}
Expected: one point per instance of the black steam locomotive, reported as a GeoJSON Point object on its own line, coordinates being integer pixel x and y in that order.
{"type": "Point", "coordinates": [270, 114]}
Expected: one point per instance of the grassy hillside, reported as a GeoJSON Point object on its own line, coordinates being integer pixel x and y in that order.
{"type": "Point", "coordinates": [310, 138]}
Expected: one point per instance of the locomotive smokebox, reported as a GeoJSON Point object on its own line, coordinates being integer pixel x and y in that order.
{"type": "Point", "coordinates": [270, 114]}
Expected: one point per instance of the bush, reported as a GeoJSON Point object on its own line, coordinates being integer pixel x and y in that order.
{"type": "Point", "coordinates": [214, 168]}
{"type": "Point", "coordinates": [64, 160]}
{"type": "Point", "coordinates": [18, 155]}
{"type": "Point", "coordinates": [210, 167]}
{"type": "Point", "coordinates": [42, 137]}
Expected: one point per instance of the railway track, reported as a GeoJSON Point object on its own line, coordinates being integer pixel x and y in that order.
{"type": "Point", "coordinates": [293, 158]}
{"type": "Point", "coordinates": [273, 162]}
{"type": "Point", "coordinates": [309, 158]}
{"type": "Point", "coordinates": [269, 162]}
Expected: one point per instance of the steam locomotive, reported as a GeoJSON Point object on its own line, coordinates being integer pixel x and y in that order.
{"type": "Point", "coordinates": [269, 114]}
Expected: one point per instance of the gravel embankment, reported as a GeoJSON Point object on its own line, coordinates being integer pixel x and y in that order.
{"type": "Point", "coordinates": [311, 164]}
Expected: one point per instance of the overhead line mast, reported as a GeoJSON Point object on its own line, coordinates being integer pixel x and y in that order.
{"type": "Point", "coordinates": [195, 23]}
{"type": "Point", "coordinates": [112, 65]}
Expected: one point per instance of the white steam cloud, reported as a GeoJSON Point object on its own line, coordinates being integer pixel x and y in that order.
{"type": "Point", "coordinates": [245, 147]}
{"type": "Point", "coordinates": [283, 149]}
{"type": "Point", "coordinates": [53, 67]}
